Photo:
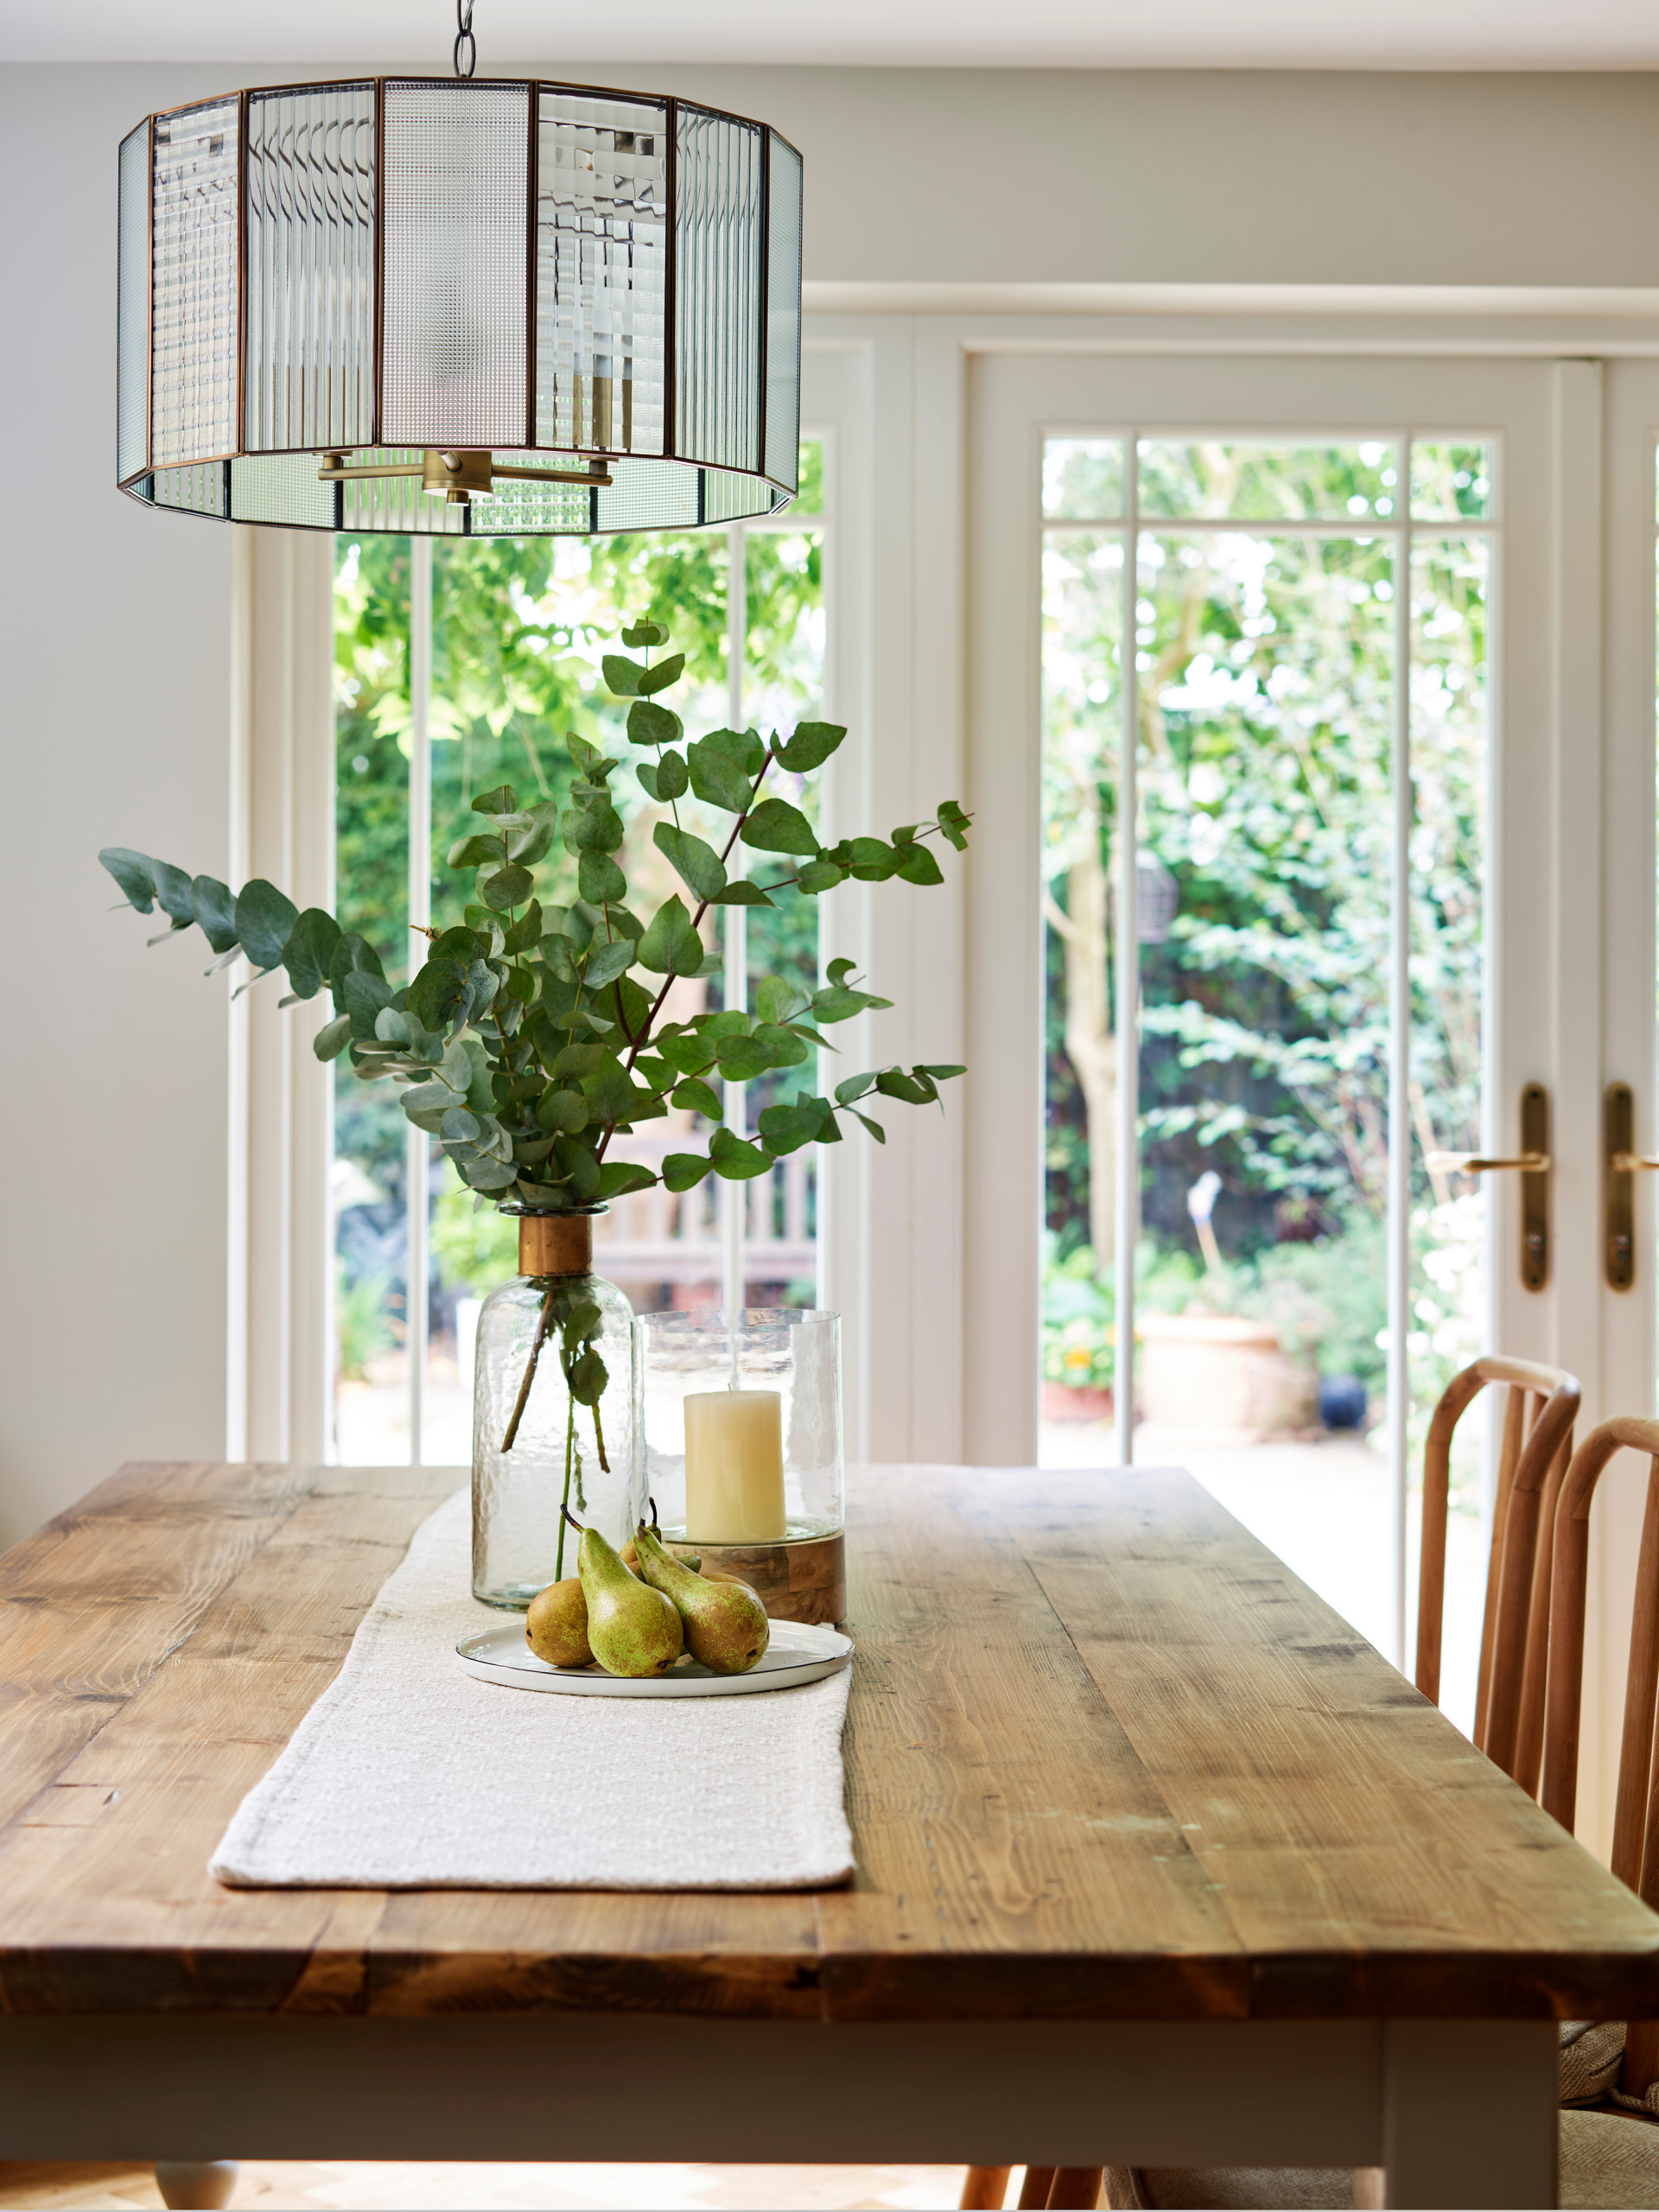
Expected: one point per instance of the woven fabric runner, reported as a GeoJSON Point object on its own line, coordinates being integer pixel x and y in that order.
{"type": "Point", "coordinates": [409, 1773]}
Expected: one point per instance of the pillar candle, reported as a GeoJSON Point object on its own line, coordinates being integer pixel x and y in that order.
{"type": "Point", "coordinates": [734, 1467]}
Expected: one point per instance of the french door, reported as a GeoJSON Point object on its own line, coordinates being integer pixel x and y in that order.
{"type": "Point", "coordinates": [1302, 873]}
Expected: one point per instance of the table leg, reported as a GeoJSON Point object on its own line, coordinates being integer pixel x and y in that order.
{"type": "Point", "coordinates": [1469, 2113]}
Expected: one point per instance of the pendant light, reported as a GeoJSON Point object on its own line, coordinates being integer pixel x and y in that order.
{"type": "Point", "coordinates": [459, 306]}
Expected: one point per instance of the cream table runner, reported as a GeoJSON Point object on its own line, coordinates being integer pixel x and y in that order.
{"type": "Point", "coordinates": [409, 1773]}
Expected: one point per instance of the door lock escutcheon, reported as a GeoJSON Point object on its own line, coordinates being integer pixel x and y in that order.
{"type": "Point", "coordinates": [1533, 1165]}
{"type": "Point", "coordinates": [1621, 1165]}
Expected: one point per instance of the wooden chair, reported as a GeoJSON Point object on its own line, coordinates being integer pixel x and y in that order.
{"type": "Point", "coordinates": [1537, 1443]}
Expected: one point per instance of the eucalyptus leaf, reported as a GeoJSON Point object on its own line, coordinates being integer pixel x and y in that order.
{"type": "Point", "coordinates": [502, 800]}
{"type": "Point", "coordinates": [741, 894]}
{"type": "Point", "coordinates": [331, 1040]}
{"type": "Point", "coordinates": [617, 1177]}
{"type": "Point", "coordinates": [649, 724]}
{"type": "Point", "coordinates": [775, 826]}
{"type": "Point", "coordinates": [684, 1170]}
{"type": "Point", "coordinates": [670, 946]}
{"type": "Point", "coordinates": [606, 962]}
{"type": "Point", "coordinates": [621, 676]}
{"type": "Point", "coordinates": [215, 910]}
{"type": "Point", "coordinates": [810, 747]}
{"type": "Point", "coordinates": [505, 887]}
{"type": "Point", "coordinates": [644, 633]}
{"type": "Point", "coordinates": [564, 1112]}
{"type": "Point", "coordinates": [174, 893]}
{"type": "Point", "coordinates": [696, 1097]}
{"type": "Point", "coordinates": [476, 851]}
{"type": "Point", "coordinates": [132, 872]}
{"type": "Point", "coordinates": [264, 917]}
{"type": "Point", "coordinates": [817, 876]}
{"type": "Point", "coordinates": [309, 951]}
{"type": "Point", "coordinates": [696, 862]}
{"type": "Point", "coordinates": [735, 1160]}
{"type": "Point", "coordinates": [717, 776]}
{"type": "Point", "coordinates": [601, 880]}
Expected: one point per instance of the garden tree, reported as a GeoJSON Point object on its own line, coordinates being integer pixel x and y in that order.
{"type": "Point", "coordinates": [1266, 675]}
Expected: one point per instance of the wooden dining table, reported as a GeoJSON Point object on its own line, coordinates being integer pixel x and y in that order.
{"type": "Point", "coordinates": [1159, 1862]}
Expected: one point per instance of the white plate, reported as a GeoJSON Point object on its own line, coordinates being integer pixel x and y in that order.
{"type": "Point", "coordinates": [795, 1654]}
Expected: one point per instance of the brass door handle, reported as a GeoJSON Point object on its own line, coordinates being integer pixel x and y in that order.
{"type": "Point", "coordinates": [1471, 1163]}
{"type": "Point", "coordinates": [1621, 1161]}
{"type": "Point", "coordinates": [1533, 1165]}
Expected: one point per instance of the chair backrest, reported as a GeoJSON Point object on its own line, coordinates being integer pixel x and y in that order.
{"type": "Point", "coordinates": [1635, 1821]}
{"type": "Point", "coordinates": [1543, 1404]}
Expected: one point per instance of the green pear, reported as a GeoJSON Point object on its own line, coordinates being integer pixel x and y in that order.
{"type": "Point", "coordinates": [633, 1629]}
{"type": "Point", "coordinates": [556, 1627]}
{"type": "Point", "coordinates": [726, 1626]}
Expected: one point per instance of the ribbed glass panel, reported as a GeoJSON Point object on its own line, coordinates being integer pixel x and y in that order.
{"type": "Point", "coordinates": [456, 185]}
{"type": "Point", "coordinates": [717, 302]}
{"type": "Point", "coordinates": [196, 489]}
{"type": "Point", "coordinates": [310, 290]}
{"type": "Point", "coordinates": [783, 457]}
{"type": "Point", "coordinates": [601, 248]}
{"type": "Point", "coordinates": [282, 488]}
{"type": "Point", "coordinates": [133, 306]}
{"type": "Point", "coordinates": [727, 497]}
{"type": "Point", "coordinates": [193, 287]}
{"type": "Point", "coordinates": [649, 495]}
{"type": "Point", "coordinates": [528, 510]}
{"type": "Point", "coordinates": [397, 503]}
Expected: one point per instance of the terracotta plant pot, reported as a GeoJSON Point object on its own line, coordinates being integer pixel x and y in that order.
{"type": "Point", "coordinates": [1061, 1402]}
{"type": "Point", "coordinates": [1220, 1379]}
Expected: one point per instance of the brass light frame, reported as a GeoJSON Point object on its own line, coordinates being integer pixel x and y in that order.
{"type": "Point", "coordinates": [694, 281]}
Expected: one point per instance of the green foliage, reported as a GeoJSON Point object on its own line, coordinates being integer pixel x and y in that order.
{"type": "Point", "coordinates": [363, 1327]}
{"type": "Point", "coordinates": [522, 1042]}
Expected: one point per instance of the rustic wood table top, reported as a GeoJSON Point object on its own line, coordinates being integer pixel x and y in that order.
{"type": "Point", "coordinates": [1108, 1759]}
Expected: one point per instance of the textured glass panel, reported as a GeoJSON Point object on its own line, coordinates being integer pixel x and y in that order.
{"type": "Point", "coordinates": [193, 395]}
{"type": "Point", "coordinates": [651, 495]}
{"type": "Point", "coordinates": [520, 509]}
{"type": "Point", "coordinates": [455, 164]}
{"type": "Point", "coordinates": [132, 309]}
{"type": "Point", "coordinates": [310, 295]}
{"type": "Point", "coordinates": [728, 498]}
{"type": "Point", "coordinates": [197, 489]}
{"type": "Point", "coordinates": [283, 488]}
{"type": "Point", "coordinates": [601, 243]}
{"type": "Point", "coordinates": [784, 314]}
{"type": "Point", "coordinates": [398, 503]}
{"type": "Point", "coordinates": [718, 291]}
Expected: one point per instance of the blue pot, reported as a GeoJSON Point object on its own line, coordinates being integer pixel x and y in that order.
{"type": "Point", "coordinates": [1342, 1402]}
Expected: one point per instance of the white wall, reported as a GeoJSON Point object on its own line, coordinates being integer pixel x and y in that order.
{"type": "Point", "coordinates": [115, 622]}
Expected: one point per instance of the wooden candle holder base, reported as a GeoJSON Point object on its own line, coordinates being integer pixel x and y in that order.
{"type": "Point", "coordinates": [802, 1581]}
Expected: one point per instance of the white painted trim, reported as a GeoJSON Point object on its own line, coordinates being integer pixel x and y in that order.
{"type": "Point", "coordinates": [283, 785]}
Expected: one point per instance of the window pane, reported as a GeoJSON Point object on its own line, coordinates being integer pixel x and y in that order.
{"type": "Point", "coordinates": [1262, 482]}
{"type": "Point", "coordinates": [1449, 580]}
{"type": "Point", "coordinates": [1451, 482]}
{"type": "Point", "coordinates": [1084, 477]}
{"type": "Point", "coordinates": [519, 627]}
{"type": "Point", "coordinates": [370, 1176]}
{"type": "Point", "coordinates": [809, 500]}
{"type": "Point", "coordinates": [1083, 599]}
{"type": "Point", "coordinates": [782, 685]}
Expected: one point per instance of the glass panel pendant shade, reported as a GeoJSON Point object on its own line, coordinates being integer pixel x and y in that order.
{"type": "Point", "coordinates": [463, 307]}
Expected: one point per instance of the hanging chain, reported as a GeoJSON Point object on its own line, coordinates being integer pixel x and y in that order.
{"type": "Point", "coordinates": [464, 38]}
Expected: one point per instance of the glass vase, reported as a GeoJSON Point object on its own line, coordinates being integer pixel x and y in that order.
{"type": "Point", "coordinates": [738, 1448]}
{"type": "Point", "coordinates": [548, 1430]}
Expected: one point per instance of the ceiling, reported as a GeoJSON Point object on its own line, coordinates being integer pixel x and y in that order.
{"type": "Point", "coordinates": [1156, 34]}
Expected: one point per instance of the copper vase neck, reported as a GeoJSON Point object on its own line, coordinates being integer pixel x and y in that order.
{"type": "Point", "coordinates": [556, 1244]}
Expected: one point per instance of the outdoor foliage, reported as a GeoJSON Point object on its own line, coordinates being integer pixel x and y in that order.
{"type": "Point", "coordinates": [1264, 666]}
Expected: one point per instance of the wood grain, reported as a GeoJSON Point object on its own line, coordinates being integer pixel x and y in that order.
{"type": "Point", "coordinates": [1107, 1759]}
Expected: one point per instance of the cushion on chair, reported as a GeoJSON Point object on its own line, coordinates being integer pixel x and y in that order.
{"type": "Point", "coordinates": [1590, 2054]}
{"type": "Point", "coordinates": [1229, 2189]}
{"type": "Point", "coordinates": [1608, 2163]}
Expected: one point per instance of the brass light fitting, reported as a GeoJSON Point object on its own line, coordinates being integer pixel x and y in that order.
{"type": "Point", "coordinates": [454, 476]}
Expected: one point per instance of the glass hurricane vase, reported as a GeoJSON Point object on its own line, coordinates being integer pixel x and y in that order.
{"type": "Point", "coordinates": [739, 1444]}
{"type": "Point", "coordinates": [550, 1429]}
